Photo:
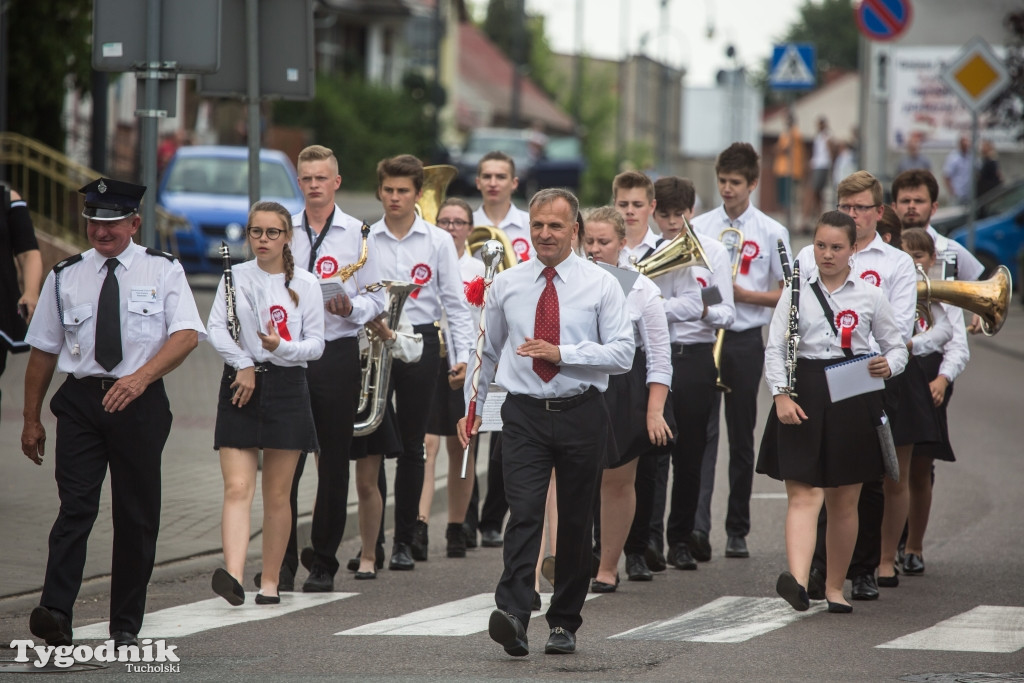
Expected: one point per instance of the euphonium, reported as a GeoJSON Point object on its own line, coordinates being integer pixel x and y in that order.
{"type": "Point", "coordinates": [988, 298]}
{"type": "Point", "coordinates": [737, 250]}
{"type": "Point", "coordinates": [435, 182]}
{"type": "Point", "coordinates": [377, 363]}
{"type": "Point", "coordinates": [479, 237]}
{"type": "Point", "coordinates": [682, 252]}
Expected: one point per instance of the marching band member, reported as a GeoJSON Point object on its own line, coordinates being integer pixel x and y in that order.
{"type": "Point", "coordinates": [636, 402]}
{"type": "Point", "coordinates": [264, 401]}
{"type": "Point", "coordinates": [326, 240]}
{"type": "Point", "coordinates": [824, 451]}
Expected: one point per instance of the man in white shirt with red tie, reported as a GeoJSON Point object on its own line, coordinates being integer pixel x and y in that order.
{"type": "Point", "coordinates": [756, 289]}
{"type": "Point", "coordinates": [410, 249]}
{"type": "Point", "coordinates": [559, 327]}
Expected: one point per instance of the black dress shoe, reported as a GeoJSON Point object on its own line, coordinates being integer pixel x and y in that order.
{"type": "Point", "coordinates": [318, 581]}
{"type": "Point", "coordinates": [470, 532]}
{"type": "Point", "coordinates": [401, 560]}
{"type": "Point", "coordinates": [227, 587]}
{"type": "Point", "coordinates": [700, 545]}
{"type": "Point", "coordinates": [680, 558]}
{"type": "Point", "coordinates": [560, 642]}
{"type": "Point", "coordinates": [491, 538]}
{"type": "Point", "coordinates": [420, 541]}
{"type": "Point", "coordinates": [306, 557]}
{"type": "Point", "coordinates": [51, 625]}
{"type": "Point", "coordinates": [655, 558]}
{"type": "Point", "coordinates": [366, 576]}
{"type": "Point", "coordinates": [637, 569]}
{"type": "Point", "coordinates": [535, 605]}
{"type": "Point", "coordinates": [262, 599]}
{"type": "Point", "coordinates": [864, 587]}
{"type": "Point", "coordinates": [839, 607]}
{"type": "Point", "coordinates": [285, 581]}
{"type": "Point", "coordinates": [124, 639]}
{"type": "Point", "coordinates": [913, 564]}
{"type": "Point", "coordinates": [888, 581]}
{"type": "Point", "coordinates": [736, 546]}
{"type": "Point", "coordinates": [816, 584]}
{"type": "Point", "coordinates": [602, 587]}
{"type": "Point", "coordinates": [508, 631]}
{"type": "Point", "coordinates": [353, 564]}
{"type": "Point", "coordinates": [455, 535]}
{"type": "Point", "coordinates": [795, 594]}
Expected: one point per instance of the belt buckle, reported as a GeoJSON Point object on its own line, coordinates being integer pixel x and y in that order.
{"type": "Point", "coordinates": [105, 384]}
{"type": "Point", "coordinates": [547, 405]}
{"type": "Point", "coordinates": [258, 367]}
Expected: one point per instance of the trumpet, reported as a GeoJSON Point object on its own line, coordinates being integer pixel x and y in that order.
{"type": "Point", "coordinates": [736, 244]}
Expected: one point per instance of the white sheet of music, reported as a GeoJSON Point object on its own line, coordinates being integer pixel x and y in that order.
{"type": "Point", "coordinates": [852, 378]}
{"type": "Point", "coordinates": [490, 417]}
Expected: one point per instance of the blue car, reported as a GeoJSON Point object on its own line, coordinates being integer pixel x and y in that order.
{"type": "Point", "coordinates": [210, 187]}
{"type": "Point", "coordinates": [998, 240]}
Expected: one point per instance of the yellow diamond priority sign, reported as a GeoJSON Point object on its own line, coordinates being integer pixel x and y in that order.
{"type": "Point", "coordinates": [976, 75]}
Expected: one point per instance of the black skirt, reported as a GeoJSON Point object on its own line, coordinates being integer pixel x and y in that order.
{"type": "Point", "coordinates": [837, 445]}
{"type": "Point", "coordinates": [913, 415]}
{"type": "Point", "coordinates": [384, 440]}
{"type": "Point", "coordinates": [278, 414]}
{"type": "Point", "coordinates": [448, 405]}
{"type": "Point", "coordinates": [626, 399]}
{"type": "Point", "coordinates": [942, 449]}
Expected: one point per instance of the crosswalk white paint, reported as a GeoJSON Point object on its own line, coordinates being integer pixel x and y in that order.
{"type": "Point", "coordinates": [184, 620]}
{"type": "Point", "coordinates": [773, 495]}
{"type": "Point", "coordinates": [986, 628]}
{"type": "Point", "coordinates": [457, 618]}
{"type": "Point", "coordinates": [729, 619]}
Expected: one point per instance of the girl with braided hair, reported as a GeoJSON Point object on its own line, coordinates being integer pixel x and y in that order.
{"type": "Point", "coordinates": [264, 400]}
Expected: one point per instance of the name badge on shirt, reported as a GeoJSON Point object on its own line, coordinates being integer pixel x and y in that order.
{"type": "Point", "coordinates": [144, 294]}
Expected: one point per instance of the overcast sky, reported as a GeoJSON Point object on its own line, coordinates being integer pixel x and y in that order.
{"type": "Point", "coordinates": [751, 25]}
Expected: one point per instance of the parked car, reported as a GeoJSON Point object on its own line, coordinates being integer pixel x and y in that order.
{"type": "Point", "coordinates": [209, 185]}
{"type": "Point", "coordinates": [996, 201]}
{"type": "Point", "coordinates": [998, 240]}
{"type": "Point", "coordinates": [561, 164]}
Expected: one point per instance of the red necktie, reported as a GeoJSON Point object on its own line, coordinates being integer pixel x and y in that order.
{"type": "Point", "coordinates": [546, 325]}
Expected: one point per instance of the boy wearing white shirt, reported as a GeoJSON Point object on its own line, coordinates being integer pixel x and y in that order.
{"type": "Point", "coordinates": [633, 197]}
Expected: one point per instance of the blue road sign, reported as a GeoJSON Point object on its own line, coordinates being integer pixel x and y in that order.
{"type": "Point", "coordinates": [792, 67]}
{"type": "Point", "coordinates": [883, 19]}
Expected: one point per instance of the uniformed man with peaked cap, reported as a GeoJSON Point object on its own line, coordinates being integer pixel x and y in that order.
{"type": "Point", "coordinates": [115, 319]}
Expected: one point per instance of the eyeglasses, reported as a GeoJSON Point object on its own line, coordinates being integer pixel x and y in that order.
{"type": "Point", "coordinates": [856, 208]}
{"type": "Point", "coordinates": [256, 233]}
{"type": "Point", "coordinates": [452, 222]}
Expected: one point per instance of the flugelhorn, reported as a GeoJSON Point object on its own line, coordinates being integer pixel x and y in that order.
{"type": "Point", "coordinates": [989, 298]}
{"type": "Point", "coordinates": [479, 237]}
{"type": "Point", "coordinates": [682, 252]}
{"type": "Point", "coordinates": [716, 352]}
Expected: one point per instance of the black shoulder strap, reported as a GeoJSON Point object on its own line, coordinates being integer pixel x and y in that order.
{"type": "Point", "coordinates": [651, 250]}
{"type": "Point", "coordinates": [829, 313]}
{"type": "Point", "coordinates": [69, 261]}
{"type": "Point", "coordinates": [156, 252]}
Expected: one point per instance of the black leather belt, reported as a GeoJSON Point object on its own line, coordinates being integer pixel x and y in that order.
{"type": "Point", "coordinates": [425, 329]}
{"type": "Point", "coordinates": [101, 383]}
{"type": "Point", "coordinates": [690, 349]}
{"type": "Point", "coordinates": [749, 332]}
{"type": "Point", "coordinates": [557, 405]}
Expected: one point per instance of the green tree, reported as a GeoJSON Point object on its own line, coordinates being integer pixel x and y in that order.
{"type": "Point", "coordinates": [1008, 107]}
{"type": "Point", "coordinates": [49, 51]}
{"type": "Point", "coordinates": [501, 21]}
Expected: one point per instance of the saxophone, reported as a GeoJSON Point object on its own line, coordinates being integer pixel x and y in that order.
{"type": "Point", "coordinates": [793, 329]}
{"type": "Point", "coordinates": [350, 270]}
{"type": "Point", "coordinates": [234, 328]}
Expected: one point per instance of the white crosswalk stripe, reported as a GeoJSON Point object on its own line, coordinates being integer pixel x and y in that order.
{"type": "Point", "coordinates": [728, 619]}
{"type": "Point", "coordinates": [986, 628]}
{"type": "Point", "coordinates": [184, 620]}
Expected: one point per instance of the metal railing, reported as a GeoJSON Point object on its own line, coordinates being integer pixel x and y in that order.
{"type": "Point", "coordinates": [48, 181]}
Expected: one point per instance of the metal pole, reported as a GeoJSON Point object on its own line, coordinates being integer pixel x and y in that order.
{"type": "Point", "coordinates": [98, 145]}
{"type": "Point", "coordinates": [517, 62]}
{"type": "Point", "coordinates": [435, 122]}
{"type": "Point", "coordinates": [792, 163]}
{"type": "Point", "coordinates": [973, 189]}
{"type": "Point", "coordinates": [577, 71]}
{"type": "Point", "coordinates": [3, 74]}
{"type": "Point", "coordinates": [148, 122]}
{"type": "Point", "coordinates": [252, 49]}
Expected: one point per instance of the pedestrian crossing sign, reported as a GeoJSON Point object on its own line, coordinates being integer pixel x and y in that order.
{"type": "Point", "coordinates": [792, 67]}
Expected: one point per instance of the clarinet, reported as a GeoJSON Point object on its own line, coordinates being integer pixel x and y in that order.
{"type": "Point", "coordinates": [784, 258]}
{"type": "Point", "coordinates": [792, 330]}
{"type": "Point", "coordinates": [234, 328]}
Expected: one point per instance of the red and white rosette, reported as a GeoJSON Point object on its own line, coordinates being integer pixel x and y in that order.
{"type": "Point", "coordinates": [522, 248]}
{"type": "Point", "coordinates": [872, 277]}
{"type": "Point", "coordinates": [702, 282]}
{"type": "Point", "coordinates": [326, 266]}
{"type": "Point", "coordinates": [421, 274]}
{"type": "Point", "coordinates": [847, 321]}
{"type": "Point", "coordinates": [922, 324]}
{"type": "Point", "coordinates": [748, 254]}
{"type": "Point", "coordinates": [279, 316]}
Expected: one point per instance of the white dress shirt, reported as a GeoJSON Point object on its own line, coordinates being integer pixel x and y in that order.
{"type": "Point", "coordinates": [930, 339]}
{"type": "Point", "coordinates": [596, 338]}
{"type": "Point", "coordinates": [874, 322]}
{"type": "Point", "coordinates": [648, 244]}
{"type": "Point", "coordinates": [303, 323]}
{"type": "Point", "coordinates": [341, 247]}
{"type": "Point", "coordinates": [719, 315]}
{"type": "Point", "coordinates": [680, 291]}
{"type": "Point", "coordinates": [760, 269]}
{"type": "Point", "coordinates": [470, 269]}
{"type": "Point", "coordinates": [426, 256]}
{"type": "Point", "coordinates": [515, 225]}
{"type": "Point", "coordinates": [650, 329]}
{"type": "Point", "coordinates": [956, 352]}
{"type": "Point", "coordinates": [967, 266]}
{"type": "Point", "coordinates": [155, 302]}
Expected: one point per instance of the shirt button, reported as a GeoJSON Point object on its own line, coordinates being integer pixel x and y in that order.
{"type": "Point", "coordinates": [76, 320]}
{"type": "Point", "coordinates": [145, 310]}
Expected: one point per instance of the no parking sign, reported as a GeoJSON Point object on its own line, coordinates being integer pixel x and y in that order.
{"type": "Point", "coordinates": [883, 20]}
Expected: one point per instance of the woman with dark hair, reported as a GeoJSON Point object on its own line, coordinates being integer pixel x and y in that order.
{"type": "Point", "coordinates": [890, 227]}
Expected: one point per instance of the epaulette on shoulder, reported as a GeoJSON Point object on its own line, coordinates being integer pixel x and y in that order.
{"type": "Point", "coordinates": [69, 261]}
{"type": "Point", "coordinates": [156, 252]}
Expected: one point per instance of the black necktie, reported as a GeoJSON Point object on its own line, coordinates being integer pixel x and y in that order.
{"type": "Point", "coordinates": [108, 320]}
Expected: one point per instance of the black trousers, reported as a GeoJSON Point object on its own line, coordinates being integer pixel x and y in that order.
{"type": "Point", "coordinates": [413, 385]}
{"type": "Point", "coordinates": [333, 382]}
{"type": "Point", "coordinates": [643, 486]}
{"type": "Point", "coordinates": [533, 442]}
{"type": "Point", "coordinates": [662, 465]}
{"type": "Point", "coordinates": [693, 382]}
{"type": "Point", "coordinates": [867, 552]}
{"type": "Point", "coordinates": [130, 443]}
{"type": "Point", "coordinates": [495, 507]}
{"type": "Point", "coordinates": [742, 365]}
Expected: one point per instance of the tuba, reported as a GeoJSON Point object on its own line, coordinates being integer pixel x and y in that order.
{"type": "Point", "coordinates": [481, 234]}
{"type": "Point", "coordinates": [988, 298]}
{"type": "Point", "coordinates": [373, 393]}
{"type": "Point", "coordinates": [682, 252]}
{"type": "Point", "coordinates": [435, 182]}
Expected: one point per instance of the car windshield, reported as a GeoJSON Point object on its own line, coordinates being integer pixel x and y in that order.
{"type": "Point", "coordinates": [1006, 200]}
{"type": "Point", "coordinates": [211, 175]}
{"type": "Point", "coordinates": [517, 147]}
{"type": "Point", "coordinates": [562, 149]}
